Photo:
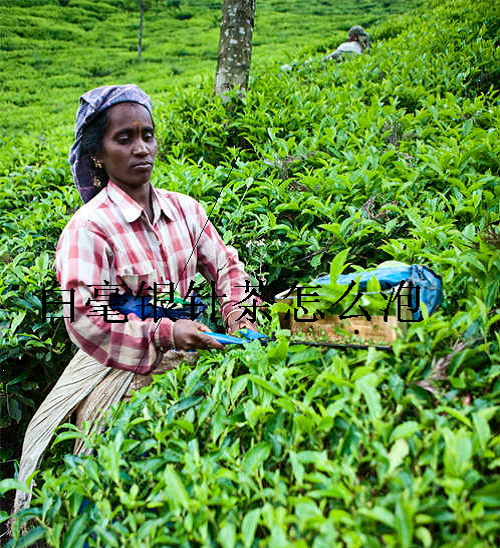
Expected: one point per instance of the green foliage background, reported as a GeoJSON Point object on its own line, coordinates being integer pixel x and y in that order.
{"type": "Point", "coordinates": [394, 155]}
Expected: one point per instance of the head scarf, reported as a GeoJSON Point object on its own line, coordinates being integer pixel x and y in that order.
{"type": "Point", "coordinates": [361, 36]}
{"type": "Point", "coordinates": [92, 103]}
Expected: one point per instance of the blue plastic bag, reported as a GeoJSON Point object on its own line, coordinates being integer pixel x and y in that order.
{"type": "Point", "coordinates": [429, 284]}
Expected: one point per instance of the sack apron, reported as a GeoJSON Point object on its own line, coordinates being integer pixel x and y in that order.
{"type": "Point", "coordinates": [90, 389]}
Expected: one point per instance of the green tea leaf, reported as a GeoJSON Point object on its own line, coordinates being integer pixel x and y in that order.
{"type": "Point", "coordinates": [482, 429]}
{"type": "Point", "coordinates": [256, 457]}
{"type": "Point", "coordinates": [227, 535]}
{"type": "Point", "coordinates": [457, 452]}
{"type": "Point", "coordinates": [249, 525]}
{"type": "Point", "coordinates": [177, 494]}
{"type": "Point", "coordinates": [28, 539]}
{"type": "Point", "coordinates": [277, 351]}
{"type": "Point", "coordinates": [424, 536]}
{"type": "Point", "coordinates": [366, 386]}
{"type": "Point", "coordinates": [338, 265]}
{"type": "Point", "coordinates": [405, 430]}
{"type": "Point", "coordinates": [297, 468]}
{"type": "Point", "coordinates": [398, 452]}
{"type": "Point", "coordinates": [404, 522]}
{"type": "Point", "coordinates": [489, 495]}
{"type": "Point", "coordinates": [379, 513]}
{"type": "Point", "coordinates": [75, 535]}
{"type": "Point", "coordinates": [238, 386]}
{"type": "Point", "coordinates": [10, 484]}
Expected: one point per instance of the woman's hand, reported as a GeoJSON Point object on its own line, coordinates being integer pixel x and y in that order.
{"type": "Point", "coordinates": [233, 323]}
{"type": "Point", "coordinates": [188, 335]}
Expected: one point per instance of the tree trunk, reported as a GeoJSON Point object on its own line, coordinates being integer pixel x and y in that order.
{"type": "Point", "coordinates": [139, 39]}
{"type": "Point", "coordinates": [235, 46]}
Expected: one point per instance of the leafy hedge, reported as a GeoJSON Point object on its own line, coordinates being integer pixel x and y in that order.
{"type": "Point", "coordinates": [394, 155]}
{"type": "Point", "coordinates": [36, 193]}
{"type": "Point", "coordinates": [282, 447]}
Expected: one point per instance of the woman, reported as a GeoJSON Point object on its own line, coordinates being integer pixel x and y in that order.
{"type": "Point", "coordinates": [358, 41]}
{"type": "Point", "coordinates": [127, 237]}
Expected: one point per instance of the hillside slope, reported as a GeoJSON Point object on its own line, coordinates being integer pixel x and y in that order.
{"type": "Point", "coordinates": [50, 54]}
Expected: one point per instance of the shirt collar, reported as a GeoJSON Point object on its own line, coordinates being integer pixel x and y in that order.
{"type": "Point", "coordinates": [164, 205]}
{"type": "Point", "coordinates": [131, 209]}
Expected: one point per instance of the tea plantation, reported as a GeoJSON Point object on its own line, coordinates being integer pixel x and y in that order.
{"type": "Point", "coordinates": [394, 155]}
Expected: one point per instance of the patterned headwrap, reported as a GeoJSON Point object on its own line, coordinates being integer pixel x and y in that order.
{"type": "Point", "coordinates": [92, 103]}
{"type": "Point", "coordinates": [361, 36]}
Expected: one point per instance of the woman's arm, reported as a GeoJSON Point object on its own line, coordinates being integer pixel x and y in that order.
{"type": "Point", "coordinates": [84, 262]}
{"type": "Point", "coordinates": [220, 263]}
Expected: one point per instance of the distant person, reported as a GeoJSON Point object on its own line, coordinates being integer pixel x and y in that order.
{"type": "Point", "coordinates": [358, 41]}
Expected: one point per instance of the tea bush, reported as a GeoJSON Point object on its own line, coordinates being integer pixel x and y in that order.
{"type": "Point", "coordinates": [282, 447]}
{"type": "Point", "coordinates": [393, 155]}
{"type": "Point", "coordinates": [36, 193]}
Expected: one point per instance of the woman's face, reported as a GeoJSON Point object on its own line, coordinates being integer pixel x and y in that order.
{"type": "Point", "coordinates": [129, 145]}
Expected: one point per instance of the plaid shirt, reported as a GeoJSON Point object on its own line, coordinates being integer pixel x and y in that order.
{"type": "Point", "coordinates": [110, 239]}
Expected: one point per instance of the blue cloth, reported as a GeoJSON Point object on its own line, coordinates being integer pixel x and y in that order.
{"type": "Point", "coordinates": [92, 103]}
{"type": "Point", "coordinates": [430, 284]}
{"type": "Point", "coordinates": [142, 307]}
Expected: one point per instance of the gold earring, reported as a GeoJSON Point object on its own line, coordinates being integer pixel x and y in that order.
{"type": "Point", "coordinates": [97, 183]}
{"type": "Point", "coordinates": [97, 163]}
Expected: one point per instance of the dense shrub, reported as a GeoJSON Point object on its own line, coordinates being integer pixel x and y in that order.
{"type": "Point", "coordinates": [393, 156]}
{"type": "Point", "coordinates": [282, 447]}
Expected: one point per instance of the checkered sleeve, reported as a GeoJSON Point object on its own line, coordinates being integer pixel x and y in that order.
{"type": "Point", "coordinates": [220, 263]}
{"type": "Point", "coordinates": [84, 260]}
